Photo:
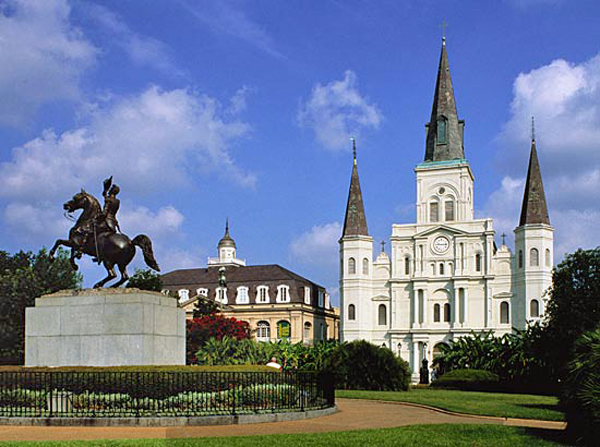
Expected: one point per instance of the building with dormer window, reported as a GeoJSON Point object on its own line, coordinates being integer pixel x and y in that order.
{"type": "Point", "coordinates": [277, 303]}
{"type": "Point", "coordinates": [444, 276]}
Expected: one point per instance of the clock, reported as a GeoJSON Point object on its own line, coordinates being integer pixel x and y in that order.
{"type": "Point", "coordinates": [441, 244]}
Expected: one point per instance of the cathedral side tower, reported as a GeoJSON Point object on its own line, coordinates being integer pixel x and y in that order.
{"type": "Point", "coordinates": [534, 249]}
{"type": "Point", "coordinates": [356, 253]}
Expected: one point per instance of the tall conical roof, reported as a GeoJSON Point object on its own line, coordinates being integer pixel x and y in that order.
{"type": "Point", "coordinates": [534, 209]}
{"type": "Point", "coordinates": [355, 223]}
{"type": "Point", "coordinates": [226, 240]}
{"type": "Point", "coordinates": [444, 130]}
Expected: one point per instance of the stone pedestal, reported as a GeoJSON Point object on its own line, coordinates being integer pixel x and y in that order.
{"type": "Point", "coordinates": [104, 327]}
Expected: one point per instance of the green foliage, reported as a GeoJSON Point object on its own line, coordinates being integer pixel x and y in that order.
{"type": "Point", "coordinates": [145, 279]}
{"type": "Point", "coordinates": [468, 380]}
{"type": "Point", "coordinates": [574, 307]}
{"type": "Point", "coordinates": [362, 365]}
{"type": "Point", "coordinates": [581, 393]}
{"type": "Point", "coordinates": [228, 351]}
{"type": "Point", "coordinates": [204, 307]}
{"type": "Point", "coordinates": [199, 331]}
{"type": "Point", "coordinates": [514, 358]}
{"type": "Point", "coordinates": [25, 276]}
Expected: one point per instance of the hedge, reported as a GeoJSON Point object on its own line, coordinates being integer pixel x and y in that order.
{"type": "Point", "coordinates": [468, 380]}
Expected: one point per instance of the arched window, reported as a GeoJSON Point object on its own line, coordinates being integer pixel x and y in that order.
{"type": "Point", "coordinates": [351, 266]}
{"type": "Point", "coordinates": [307, 331]}
{"type": "Point", "coordinates": [478, 262]}
{"type": "Point", "coordinates": [263, 331]}
{"type": "Point", "coordinates": [449, 210]}
{"type": "Point", "coordinates": [407, 266]}
{"type": "Point", "coordinates": [447, 312]}
{"type": "Point", "coordinates": [433, 212]}
{"type": "Point", "coordinates": [184, 295]}
{"type": "Point", "coordinates": [284, 330]}
{"type": "Point", "coordinates": [547, 257]}
{"type": "Point", "coordinates": [437, 350]}
{"type": "Point", "coordinates": [520, 259]}
{"type": "Point", "coordinates": [436, 313]}
{"type": "Point", "coordinates": [534, 309]}
{"type": "Point", "coordinates": [382, 313]}
{"type": "Point", "coordinates": [221, 295]}
{"type": "Point", "coordinates": [421, 303]}
{"type": "Point", "coordinates": [441, 131]}
{"type": "Point", "coordinates": [504, 317]}
{"type": "Point", "coordinates": [351, 312]}
{"type": "Point", "coordinates": [441, 268]}
{"type": "Point", "coordinates": [365, 266]}
{"type": "Point", "coordinates": [534, 257]}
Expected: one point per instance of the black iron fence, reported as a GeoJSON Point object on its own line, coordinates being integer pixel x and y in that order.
{"type": "Point", "coordinates": [151, 394]}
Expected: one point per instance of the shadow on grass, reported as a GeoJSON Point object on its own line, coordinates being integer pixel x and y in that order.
{"type": "Point", "coordinates": [558, 436]}
{"type": "Point", "coordinates": [551, 407]}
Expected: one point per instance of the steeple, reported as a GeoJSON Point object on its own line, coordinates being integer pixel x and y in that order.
{"type": "Point", "coordinates": [226, 240]}
{"type": "Point", "coordinates": [355, 223]}
{"type": "Point", "coordinates": [444, 130]}
{"type": "Point", "coordinates": [534, 209]}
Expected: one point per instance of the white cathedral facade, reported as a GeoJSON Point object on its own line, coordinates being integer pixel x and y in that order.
{"type": "Point", "coordinates": [445, 276]}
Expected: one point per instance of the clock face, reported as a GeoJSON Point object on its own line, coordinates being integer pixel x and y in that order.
{"type": "Point", "coordinates": [441, 244]}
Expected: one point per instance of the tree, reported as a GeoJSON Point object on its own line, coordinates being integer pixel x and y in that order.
{"type": "Point", "coordinates": [574, 306]}
{"type": "Point", "coordinates": [24, 277]}
{"type": "Point", "coordinates": [145, 279]}
{"type": "Point", "coordinates": [203, 307]}
{"type": "Point", "coordinates": [200, 330]}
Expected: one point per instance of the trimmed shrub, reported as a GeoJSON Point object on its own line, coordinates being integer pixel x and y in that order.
{"type": "Point", "coordinates": [365, 366]}
{"type": "Point", "coordinates": [581, 393]}
{"type": "Point", "coordinates": [468, 380]}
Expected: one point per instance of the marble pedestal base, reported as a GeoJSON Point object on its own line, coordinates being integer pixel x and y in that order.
{"type": "Point", "coordinates": [104, 327]}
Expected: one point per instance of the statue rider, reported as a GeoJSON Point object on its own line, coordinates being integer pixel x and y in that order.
{"type": "Point", "coordinates": [111, 205]}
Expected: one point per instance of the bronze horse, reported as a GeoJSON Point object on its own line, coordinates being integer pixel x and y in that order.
{"type": "Point", "coordinates": [109, 247]}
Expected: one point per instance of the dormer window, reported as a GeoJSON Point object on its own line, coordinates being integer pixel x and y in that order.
{"type": "Point", "coordinates": [221, 295]}
{"type": "Point", "coordinates": [262, 294]}
{"type": "Point", "coordinates": [202, 291]}
{"type": "Point", "coordinates": [184, 295]}
{"type": "Point", "coordinates": [283, 294]}
{"type": "Point", "coordinates": [242, 295]}
{"type": "Point", "coordinates": [441, 131]}
{"type": "Point", "coordinates": [307, 295]}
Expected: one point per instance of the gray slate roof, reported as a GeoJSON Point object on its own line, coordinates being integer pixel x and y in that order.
{"type": "Point", "coordinates": [444, 107]}
{"type": "Point", "coordinates": [252, 276]}
{"type": "Point", "coordinates": [534, 209]}
{"type": "Point", "coordinates": [355, 222]}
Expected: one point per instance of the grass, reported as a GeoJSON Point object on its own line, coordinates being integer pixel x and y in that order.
{"type": "Point", "coordinates": [525, 406]}
{"type": "Point", "coordinates": [443, 435]}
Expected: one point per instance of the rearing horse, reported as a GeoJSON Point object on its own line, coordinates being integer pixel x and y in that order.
{"type": "Point", "coordinates": [111, 248]}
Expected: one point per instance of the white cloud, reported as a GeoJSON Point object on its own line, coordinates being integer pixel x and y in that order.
{"type": "Point", "coordinates": [238, 101]}
{"type": "Point", "coordinates": [43, 57]}
{"type": "Point", "coordinates": [224, 17]}
{"type": "Point", "coordinates": [170, 135]}
{"type": "Point", "coordinates": [142, 50]}
{"type": "Point", "coordinates": [337, 111]}
{"type": "Point", "coordinates": [166, 221]}
{"type": "Point", "coordinates": [564, 99]}
{"type": "Point", "coordinates": [318, 246]}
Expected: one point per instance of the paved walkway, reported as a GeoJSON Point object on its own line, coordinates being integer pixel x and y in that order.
{"type": "Point", "coordinates": [353, 414]}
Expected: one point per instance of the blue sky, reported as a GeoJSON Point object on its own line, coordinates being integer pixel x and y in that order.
{"type": "Point", "coordinates": [204, 110]}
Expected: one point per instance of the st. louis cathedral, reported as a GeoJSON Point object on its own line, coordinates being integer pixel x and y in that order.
{"type": "Point", "coordinates": [445, 276]}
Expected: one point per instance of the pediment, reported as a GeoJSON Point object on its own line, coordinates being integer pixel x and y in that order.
{"type": "Point", "coordinates": [442, 229]}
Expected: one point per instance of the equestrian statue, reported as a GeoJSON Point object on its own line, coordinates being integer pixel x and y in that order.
{"type": "Point", "coordinates": [96, 233]}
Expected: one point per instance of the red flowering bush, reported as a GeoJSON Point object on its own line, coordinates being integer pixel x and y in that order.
{"type": "Point", "coordinates": [200, 330]}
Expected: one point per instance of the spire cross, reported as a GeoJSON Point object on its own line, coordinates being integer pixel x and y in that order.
{"type": "Point", "coordinates": [503, 239]}
{"type": "Point", "coordinates": [532, 128]}
{"type": "Point", "coordinates": [353, 148]}
{"type": "Point", "coordinates": [443, 26]}
{"type": "Point", "coordinates": [382, 246]}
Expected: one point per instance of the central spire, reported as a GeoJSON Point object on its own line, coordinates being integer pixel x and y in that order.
{"type": "Point", "coordinates": [444, 130]}
{"type": "Point", "coordinates": [534, 209]}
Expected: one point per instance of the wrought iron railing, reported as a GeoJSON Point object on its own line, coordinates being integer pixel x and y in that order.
{"type": "Point", "coordinates": [159, 394]}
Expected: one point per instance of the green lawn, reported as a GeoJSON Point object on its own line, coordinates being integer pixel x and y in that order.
{"type": "Point", "coordinates": [416, 435]}
{"type": "Point", "coordinates": [526, 406]}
